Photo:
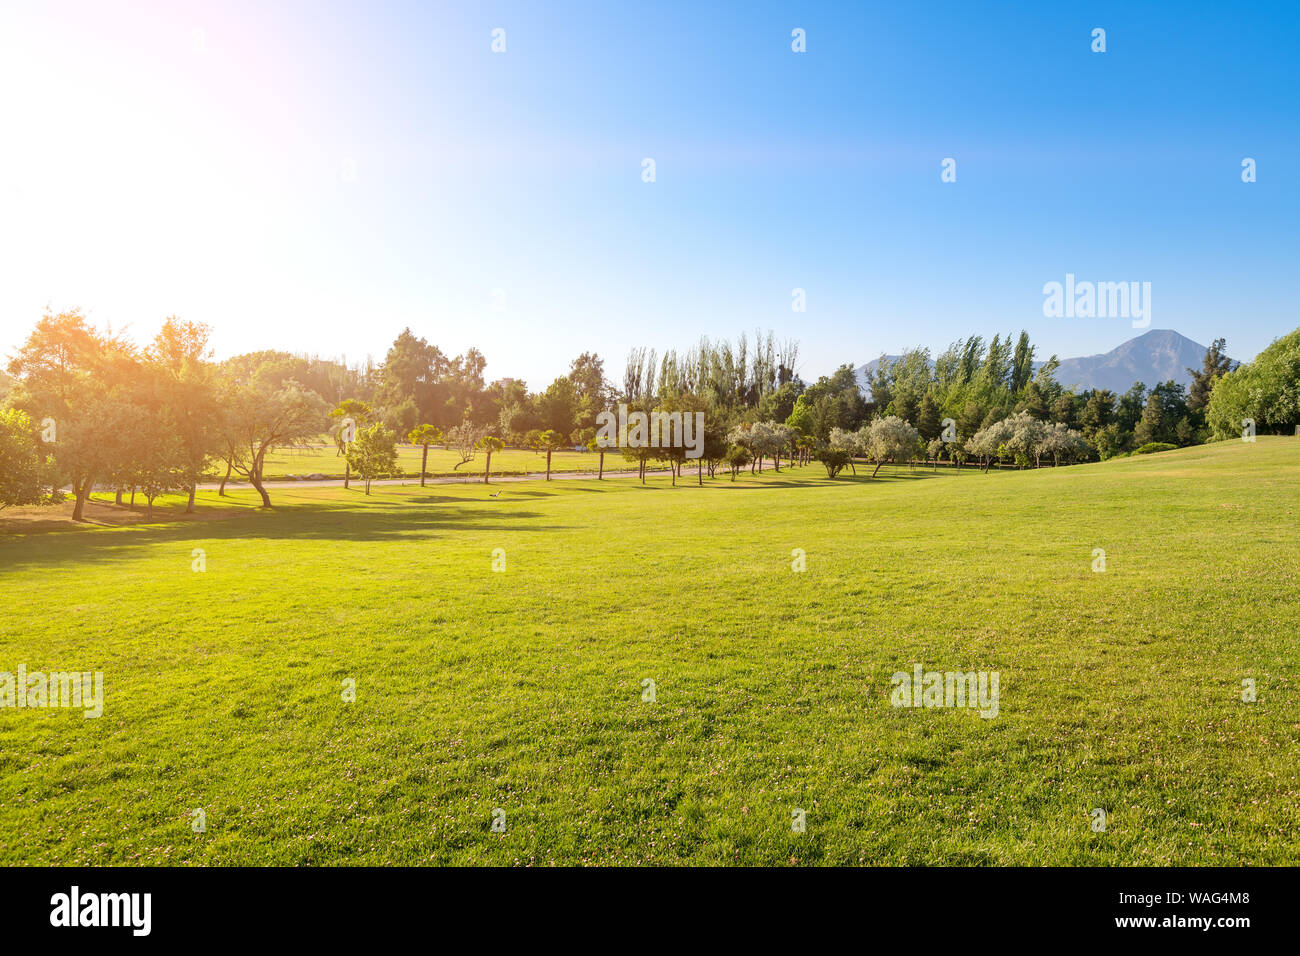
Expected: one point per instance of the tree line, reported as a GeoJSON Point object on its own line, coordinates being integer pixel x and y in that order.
{"type": "Point", "coordinates": [81, 408]}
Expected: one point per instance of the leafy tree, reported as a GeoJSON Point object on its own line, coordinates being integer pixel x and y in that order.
{"type": "Point", "coordinates": [737, 457]}
{"type": "Point", "coordinates": [1098, 412]}
{"type": "Point", "coordinates": [557, 407]}
{"type": "Point", "coordinates": [26, 468]}
{"type": "Point", "coordinates": [1214, 366]}
{"type": "Point", "coordinates": [1266, 390]}
{"type": "Point", "coordinates": [889, 438]}
{"type": "Point", "coordinates": [187, 391]}
{"type": "Point", "coordinates": [77, 378]}
{"type": "Point", "coordinates": [258, 421]}
{"type": "Point", "coordinates": [374, 453]}
{"type": "Point", "coordinates": [349, 416]}
{"type": "Point", "coordinates": [157, 462]}
{"type": "Point", "coordinates": [551, 440]}
{"type": "Point", "coordinates": [1131, 404]}
{"type": "Point", "coordinates": [835, 460]}
{"type": "Point", "coordinates": [424, 436]}
{"type": "Point", "coordinates": [928, 421]}
{"type": "Point", "coordinates": [1165, 406]}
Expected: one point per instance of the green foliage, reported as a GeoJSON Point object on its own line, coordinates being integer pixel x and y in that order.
{"type": "Point", "coordinates": [1153, 447]}
{"type": "Point", "coordinates": [1266, 391]}
{"type": "Point", "coordinates": [374, 453]}
{"type": "Point", "coordinates": [835, 460]}
{"type": "Point", "coordinates": [26, 469]}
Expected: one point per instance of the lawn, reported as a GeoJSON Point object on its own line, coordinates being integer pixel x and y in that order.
{"type": "Point", "coordinates": [522, 689]}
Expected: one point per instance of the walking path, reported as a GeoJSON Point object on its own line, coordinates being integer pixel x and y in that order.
{"type": "Point", "coordinates": [272, 484]}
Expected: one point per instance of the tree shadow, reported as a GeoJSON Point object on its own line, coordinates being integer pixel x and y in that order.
{"type": "Point", "coordinates": [321, 522]}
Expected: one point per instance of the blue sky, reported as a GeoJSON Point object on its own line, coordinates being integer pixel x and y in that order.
{"type": "Point", "coordinates": [315, 177]}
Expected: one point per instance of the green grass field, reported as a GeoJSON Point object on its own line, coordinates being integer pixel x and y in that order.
{"type": "Point", "coordinates": [522, 689]}
{"type": "Point", "coordinates": [442, 462]}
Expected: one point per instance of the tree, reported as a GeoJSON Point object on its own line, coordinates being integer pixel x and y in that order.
{"type": "Point", "coordinates": [1267, 391]}
{"type": "Point", "coordinates": [1098, 412]}
{"type": "Point", "coordinates": [835, 460]}
{"type": "Point", "coordinates": [489, 444]}
{"type": "Point", "coordinates": [348, 416]}
{"type": "Point", "coordinates": [76, 378]}
{"type": "Point", "coordinates": [550, 441]}
{"type": "Point", "coordinates": [737, 457]}
{"type": "Point", "coordinates": [557, 407]}
{"type": "Point", "coordinates": [852, 443]}
{"type": "Point", "coordinates": [25, 466]}
{"type": "Point", "coordinates": [187, 391]}
{"type": "Point", "coordinates": [374, 453]}
{"type": "Point", "coordinates": [989, 440]}
{"type": "Point", "coordinates": [889, 438]}
{"type": "Point", "coordinates": [157, 461]}
{"type": "Point", "coordinates": [1214, 366]}
{"type": "Point", "coordinates": [258, 421]}
{"type": "Point", "coordinates": [927, 418]}
{"type": "Point", "coordinates": [598, 445]}
{"type": "Point", "coordinates": [424, 436]}
{"type": "Point", "coordinates": [1026, 439]}
{"type": "Point", "coordinates": [464, 438]}
{"type": "Point", "coordinates": [1165, 406]}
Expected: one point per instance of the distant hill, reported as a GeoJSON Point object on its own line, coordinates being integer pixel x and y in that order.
{"type": "Point", "coordinates": [1152, 357]}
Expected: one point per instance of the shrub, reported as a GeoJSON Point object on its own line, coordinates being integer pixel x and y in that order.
{"type": "Point", "coordinates": [1154, 446]}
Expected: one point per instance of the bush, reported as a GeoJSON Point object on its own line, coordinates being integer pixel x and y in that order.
{"type": "Point", "coordinates": [1153, 446]}
{"type": "Point", "coordinates": [835, 460]}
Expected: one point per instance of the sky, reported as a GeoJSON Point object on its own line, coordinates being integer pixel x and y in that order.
{"type": "Point", "coordinates": [315, 176]}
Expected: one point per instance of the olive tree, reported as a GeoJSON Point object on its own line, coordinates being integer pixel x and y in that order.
{"type": "Point", "coordinates": [889, 438]}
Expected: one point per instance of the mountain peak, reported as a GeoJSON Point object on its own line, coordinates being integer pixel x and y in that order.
{"type": "Point", "coordinates": [1156, 355]}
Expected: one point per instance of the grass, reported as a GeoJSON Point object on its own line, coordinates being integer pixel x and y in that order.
{"type": "Point", "coordinates": [442, 462]}
{"type": "Point", "coordinates": [522, 690]}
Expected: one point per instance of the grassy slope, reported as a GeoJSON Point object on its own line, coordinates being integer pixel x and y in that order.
{"type": "Point", "coordinates": [521, 690]}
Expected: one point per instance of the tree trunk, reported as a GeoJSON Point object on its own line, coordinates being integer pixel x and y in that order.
{"type": "Point", "coordinates": [256, 479]}
{"type": "Point", "coordinates": [548, 464]}
{"type": "Point", "coordinates": [601, 474]}
{"type": "Point", "coordinates": [367, 485]}
{"type": "Point", "coordinates": [133, 497]}
{"type": "Point", "coordinates": [117, 499]}
{"type": "Point", "coordinates": [189, 508]}
{"type": "Point", "coordinates": [424, 465]}
{"type": "Point", "coordinates": [878, 464]}
{"type": "Point", "coordinates": [487, 467]}
{"type": "Point", "coordinates": [347, 473]}
{"type": "Point", "coordinates": [82, 492]}
{"type": "Point", "coordinates": [222, 490]}
{"type": "Point", "coordinates": [149, 508]}
{"type": "Point", "coordinates": [699, 471]}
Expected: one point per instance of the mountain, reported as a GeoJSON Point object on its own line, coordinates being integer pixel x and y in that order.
{"type": "Point", "coordinates": [1152, 357]}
